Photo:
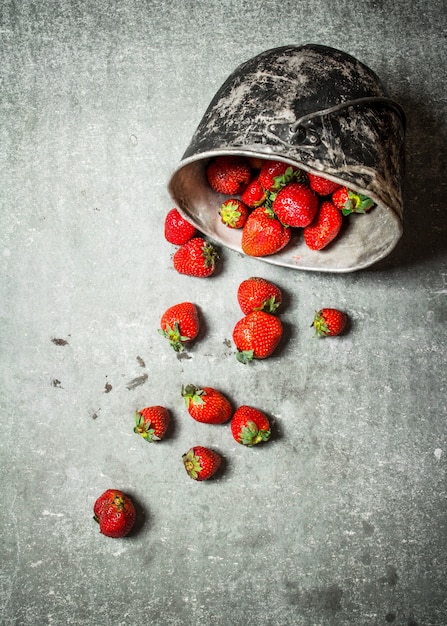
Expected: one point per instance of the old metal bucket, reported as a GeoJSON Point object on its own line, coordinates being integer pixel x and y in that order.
{"type": "Point", "coordinates": [317, 108]}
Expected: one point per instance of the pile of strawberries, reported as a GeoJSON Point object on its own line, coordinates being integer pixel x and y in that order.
{"type": "Point", "coordinates": [267, 199]}
{"type": "Point", "coordinates": [278, 198]}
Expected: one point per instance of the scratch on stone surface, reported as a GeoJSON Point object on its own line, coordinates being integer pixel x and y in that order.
{"type": "Point", "coordinates": [136, 382]}
{"type": "Point", "coordinates": [45, 512]}
{"type": "Point", "coordinates": [141, 362]}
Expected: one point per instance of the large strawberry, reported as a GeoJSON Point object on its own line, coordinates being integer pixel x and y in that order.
{"type": "Point", "coordinates": [322, 186]}
{"type": "Point", "coordinates": [349, 201]}
{"type": "Point", "coordinates": [197, 257]}
{"type": "Point", "coordinates": [233, 213]}
{"type": "Point", "coordinates": [274, 175]}
{"type": "Point", "coordinates": [295, 205]}
{"type": "Point", "coordinates": [201, 463]}
{"type": "Point", "coordinates": [207, 405]}
{"type": "Point", "coordinates": [180, 324]}
{"type": "Point", "coordinates": [250, 426]}
{"type": "Point", "coordinates": [228, 174]}
{"type": "Point", "coordinates": [115, 513]}
{"type": "Point", "coordinates": [324, 228]}
{"type": "Point", "coordinates": [256, 336]}
{"type": "Point", "coordinates": [152, 422]}
{"type": "Point", "coordinates": [263, 234]}
{"type": "Point", "coordinates": [329, 322]}
{"type": "Point", "coordinates": [258, 294]}
{"type": "Point", "coordinates": [177, 229]}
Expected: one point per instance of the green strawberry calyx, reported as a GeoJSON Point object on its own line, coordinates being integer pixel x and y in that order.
{"type": "Point", "coordinates": [269, 305]}
{"type": "Point", "coordinates": [245, 356]}
{"type": "Point", "coordinates": [230, 213]}
{"type": "Point", "coordinates": [144, 429]}
{"type": "Point", "coordinates": [250, 434]}
{"type": "Point", "coordinates": [290, 175]}
{"type": "Point", "coordinates": [357, 203]}
{"type": "Point", "coordinates": [210, 255]}
{"type": "Point", "coordinates": [192, 395]}
{"type": "Point", "coordinates": [320, 325]}
{"type": "Point", "coordinates": [176, 339]}
{"type": "Point", "coordinates": [192, 464]}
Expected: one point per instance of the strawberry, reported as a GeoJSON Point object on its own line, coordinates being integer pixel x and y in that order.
{"type": "Point", "coordinates": [250, 426]}
{"type": "Point", "coordinates": [263, 233]}
{"type": "Point", "coordinates": [324, 228]}
{"type": "Point", "coordinates": [197, 257]}
{"type": "Point", "coordinates": [115, 513]}
{"type": "Point", "coordinates": [255, 162]}
{"type": "Point", "coordinates": [233, 213]}
{"type": "Point", "coordinates": [180, 324]}
{"type": "Point", "coordinates": [254, 194]}
{"type": "Point", "coordinates": [295, 205]}
{"type": "Point", "coordinates": [351, 202]}
{"type": "Point", "coordinates": [177, 229]}
{"type": "Point", "coordinates": [274, 175]}
{"type": "Point", "coordinates": [256, 336]}
{"type": "Point", "coordinates": [322, 186]}
{"type": "Point", "coordinates": [207, 405]}
{"type": "Point", "coordinates": [228, 174]}
{"type": "Point", "coordinates": [152, 423]}
{"type": "Point", "coordinates": [329, 322]}
{"type": "Point", "coordinates": [201, 463]}
{"type": "Point", "coordinates": [258, 294]}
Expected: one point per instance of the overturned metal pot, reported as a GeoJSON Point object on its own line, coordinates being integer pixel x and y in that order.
{"type": "Point", "coordinates": [317, 108]}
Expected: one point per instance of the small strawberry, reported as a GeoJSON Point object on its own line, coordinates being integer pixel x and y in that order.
{"type": "Point", "coordinates": [177, 229]}
{"type": "Point", "coordinates": [256, 336]}
{"type": "Point", "coordinates": [250, 426]}
{"type": "Point", "coordinates": [152, 422]}
{"type": "Point", "coordinates": [324, 228]}
{"type": "Point", "coordinates": [233, 213]}
{"type": "Point", "coordinates": [351, 202]}
{"type": "Point", "coordinates": [274, 175]}
{"type": "Point", "coordinates": [263, 233]}
{"type": "Point", "coordinates": [254, 194]}
{"type": "Point", "coordinates": [115, 513]}
{"type": "Point", "coordinates": [295, 205]}
{"type": "Point", "coordinates": [180, 324]}
{"type": "Point", "coordinates": [255, 162]}
{"type": "Point", "coordinates": [322, 186]}
{"type": "Point", "coordinates": [228, 174]}
{"type": "Point", "coordinates": [197, 257]}
{"type": "Point", "coordinates": [258, 294]}
{"type": "Point", "coordinates": [207, 405]}
{"type": "Point", "coordinates": [329, 322]}
{"type": "Point", "coordinates": [201, 463]}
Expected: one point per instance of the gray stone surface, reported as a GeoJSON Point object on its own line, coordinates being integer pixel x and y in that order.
{"type": "Point", "coordinates": [341, 518]}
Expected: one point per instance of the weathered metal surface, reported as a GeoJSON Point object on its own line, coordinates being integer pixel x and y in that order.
{"type": "Point", "coordinates": [318, 108]}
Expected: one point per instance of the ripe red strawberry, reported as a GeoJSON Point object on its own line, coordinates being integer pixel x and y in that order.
{"type": "Point", "coordinates": [263, 233]}
{"type": "Point", "coordinates": [201, 463]}
{"type": "Point", "coordinates": [115, 513]}
{"type": "Point", "coordinates": [351, 202]}
{"type": "Point", "coordinates": [180, 324]}
{"type": "Point", "coordinates": [250, 426]}
{"type": "Point", "coordinates": [324, 228]}
{"type": "Point", "coordinates": [177, 229]}
{"type": "Point", "coordinates": [152, 422]}
{"type": "Point", "coordinates": [274, 175]}
{"type": "Point", "coordinates": [254, 194]}
{"type": "Point", "coordinates": [295, 205]}
{"type": "Point", "coordinates": [207, 405]}
{"type": "Point", "coordinates": [197, 257]}
{"type": "Point", "coordinates": [233, 213]}
{"type": "Point", "coordinates": [258, 294]}
{"type": "Point", "coordinates": [256, 336]}
{"type": "Point", "coordinates": [228, 174]}
{"type": "Point", "coordinates": [329, 322]}
{"type": "Point", "coordinates": [322, 186]}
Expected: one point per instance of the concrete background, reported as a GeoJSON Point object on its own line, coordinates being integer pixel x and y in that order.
{"type": "Point", "coordinates": [341, 518]}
